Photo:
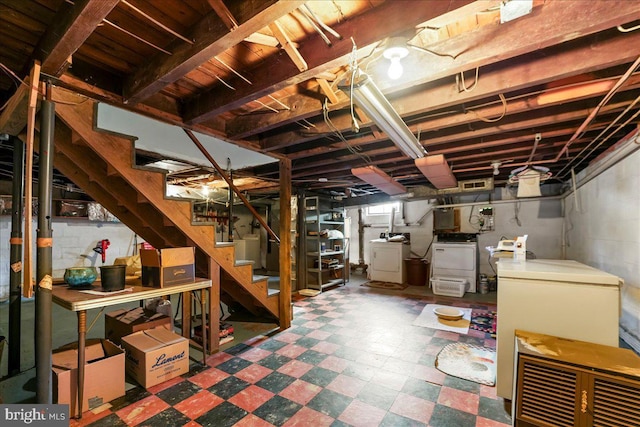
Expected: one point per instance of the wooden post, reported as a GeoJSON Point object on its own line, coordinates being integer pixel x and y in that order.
{"type": "Point", "coordinates": [214, 306]}
{"type": "Point", "coordinates": [34, 80]}
{"type": "Point", "coordinates": [285, 243]}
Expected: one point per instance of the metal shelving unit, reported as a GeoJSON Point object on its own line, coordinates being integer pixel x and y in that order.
{"type": "Point", "coordinates": [325, 264]}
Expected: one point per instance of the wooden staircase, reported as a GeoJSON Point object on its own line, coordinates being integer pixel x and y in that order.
{"type": "Point", "coordinates": [103, 165]}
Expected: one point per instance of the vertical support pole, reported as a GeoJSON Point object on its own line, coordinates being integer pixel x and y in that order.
{"type": "Point", "coordinates": [360, 238]}
{"type": "Point", "coordinates": [15, 273]}
{"type": "Point", "coordinates": [285, 243]}
{"type": "Point", "coordinates": [34, 80]}
{"type": "Point", "coordinates": [43, 317]}
{"type": "Point", "coordinates": [214, 306]}
{"type": "Point", "coordinates": [230, 208]}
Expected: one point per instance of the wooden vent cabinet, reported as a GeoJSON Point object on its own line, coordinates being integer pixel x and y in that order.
{"type": "Point", "coordinates": [562, 382]}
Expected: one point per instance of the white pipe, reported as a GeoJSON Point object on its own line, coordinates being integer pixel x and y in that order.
{"type": "Point", "coordinates": [392, 219]}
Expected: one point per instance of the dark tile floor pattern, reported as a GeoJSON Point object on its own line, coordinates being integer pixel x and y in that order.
{"type": "Point", "coordinates": [351, 358]}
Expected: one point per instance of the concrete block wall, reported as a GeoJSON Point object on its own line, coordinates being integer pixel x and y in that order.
{"type": "Point", "coordinates": [73, 243]}
{"type": "Point", "coordinates": [603, 231]}
{"type": "Point", "coordinates": [541, 220]}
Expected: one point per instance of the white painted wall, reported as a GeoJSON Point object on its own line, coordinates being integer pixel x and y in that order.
{"type": "Point", "coordinates": [73, 243]}
{"type": "Point", "coordinates": [539, 218]}
{"type": "Point", "coordinates": [603, 231]}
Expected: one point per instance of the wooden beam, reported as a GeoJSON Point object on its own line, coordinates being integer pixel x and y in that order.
{"type": "Point", "coordinates": [14, 115]}
{"type": "Point", "coordinates": [556, 22]}
{"type": "Point", "coordinates": [370, 27]}
{"type": "Point", "coordinates": [285, 244]}
{"type": "Point", "coordinates": [445, 144]}
{"type": "Point", "coordinates": [211, 37]}
{"type": "Point", "coordinates": [284, 40]}
{"type": "Point", "coordinates": [264, 39]}
{"type": "Point", "coordinates": [224, 14]}
{"type": "Point", "coordinates": [328, 90]}
{"type": "Point", "coordinates": [566, 61]}
{"type": "Point", "coordinates": [70, 28]}
{"type": "Point", "coordinates": [27, 273]}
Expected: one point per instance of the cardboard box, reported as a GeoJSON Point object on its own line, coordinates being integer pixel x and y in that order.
{"type": "Point", "coordinates": [165, 267]}
{"type": "Point", "coordinates": [103, 374]}
{"type": "Point", "coordinates": [120, 323]}
{"type": "Point", "coordinates": [155, 355]}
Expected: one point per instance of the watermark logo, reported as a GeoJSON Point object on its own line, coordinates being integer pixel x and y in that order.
{"type": "Point", "coordinates": [34, 415]}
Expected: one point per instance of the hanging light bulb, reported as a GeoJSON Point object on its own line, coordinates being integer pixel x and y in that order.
{"type": "Point", "coordinates": [205, 190]}
{"type": "Point", "coordinates": [394, 52]}
{"type": "Point", "coordinates": [395, 69]}
{"type": "Point", "coordinates": [496, 167]}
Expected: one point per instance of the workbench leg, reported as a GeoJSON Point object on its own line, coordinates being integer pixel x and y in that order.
{"type": "Point", "coordinates": [203, 310]}
{"type": "Point", "coordinates": [186, 315]}
{"type": "Point", "coordinates": [82, 334]}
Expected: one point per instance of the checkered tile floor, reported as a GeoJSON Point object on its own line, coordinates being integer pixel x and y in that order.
{"type": "Point", "coordinates": [351, 358]}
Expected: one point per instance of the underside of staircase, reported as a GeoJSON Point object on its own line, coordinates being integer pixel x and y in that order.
{"type": "Point", "coordinates": [103, 165]}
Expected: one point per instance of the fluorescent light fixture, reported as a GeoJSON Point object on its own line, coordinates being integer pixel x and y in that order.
{"type": "Point", "coordinates": [368, 97]}
{"type": "Point", "coordinates": [379, 179]}
{"type": "Point", "coordinates": [436, 169]}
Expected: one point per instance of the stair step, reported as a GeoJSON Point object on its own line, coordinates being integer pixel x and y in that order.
{"type": "Point", "coordinates": [244, 262]}
{"type": "Point", "coordinates": [273, 285]}
{"type": "Point", "coordinates": [259, 277]}
{"type": "Point", "coordinates": [224, 244]}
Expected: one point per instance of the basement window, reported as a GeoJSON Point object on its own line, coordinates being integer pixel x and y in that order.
{"type": "Point", "coordinates": [383, 209]}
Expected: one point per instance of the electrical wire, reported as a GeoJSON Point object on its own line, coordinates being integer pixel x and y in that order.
{"type": "Point", "coordinates": [336, 131]}
{"type": "Point", "coordinates": [504, 111]}
{"type": "Point", "coordinates": [461, 84]}
{"type": "Point", "coordinates": [516, 212]}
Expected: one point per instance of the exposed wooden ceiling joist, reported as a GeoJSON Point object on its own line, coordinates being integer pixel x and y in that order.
{"type": "Point", "coordinates": [211, 37]}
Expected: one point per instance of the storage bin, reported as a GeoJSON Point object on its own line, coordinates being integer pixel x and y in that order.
{"type": "Point", "coordinates": [449, 286]}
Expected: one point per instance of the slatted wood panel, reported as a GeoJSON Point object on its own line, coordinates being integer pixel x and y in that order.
{"type": "Point", "coordinates": [616, 403]}
{"type": "Point", "coordinates": [547, 394]}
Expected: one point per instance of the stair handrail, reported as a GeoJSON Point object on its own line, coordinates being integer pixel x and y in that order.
{"type": "Point", "coordinates": [229, 182]}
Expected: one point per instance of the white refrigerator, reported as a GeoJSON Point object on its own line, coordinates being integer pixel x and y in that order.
{"type": "Point", "coordinates": [561, 298]}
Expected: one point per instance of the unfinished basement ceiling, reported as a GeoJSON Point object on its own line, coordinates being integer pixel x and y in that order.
{"type": "Point", "coordinates": [264, 74]}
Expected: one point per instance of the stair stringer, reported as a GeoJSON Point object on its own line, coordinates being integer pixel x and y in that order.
{"type": "Point", "coordinates": [118, 153]}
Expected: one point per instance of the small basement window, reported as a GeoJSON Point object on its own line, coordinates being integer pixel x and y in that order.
{"type": "Point", "coordinates": [383, 209]}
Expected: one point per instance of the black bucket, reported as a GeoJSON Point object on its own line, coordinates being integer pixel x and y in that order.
{"type": "Point", "coordinates": [112, 277]}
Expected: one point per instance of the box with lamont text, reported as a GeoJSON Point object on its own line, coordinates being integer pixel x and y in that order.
{"type": "Point", "coordinates": [165, 267]}
{"type": "Point", "coordinates": [103, 374]}
{"type": "Point", "coordinates": [155, 355]}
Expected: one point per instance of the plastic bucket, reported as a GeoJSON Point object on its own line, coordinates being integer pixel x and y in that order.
{"type": "Point", "coordinates": [417, 271]}
{"type": "Point", "coordinates": [113, 277]}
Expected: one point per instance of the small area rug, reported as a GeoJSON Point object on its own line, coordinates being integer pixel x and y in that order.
{"type": "Point", "coordinates": [384, 285]}
{"type": "Point", "coordinates": [484, 321]}
{"type": "Point", "coordinates": [469, 362]}
{"type": "Point", "coordinates": [428, 319]}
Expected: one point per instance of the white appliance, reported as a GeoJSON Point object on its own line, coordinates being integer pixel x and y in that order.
{"type": "Point", "coordinates": [561, 298]}
{"type": "Point", "coordinates": [252, 249]}
{"type": "Point", "coordinates": [387, 261]}
{"type": "Point", "coordinates": [456, 260]}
